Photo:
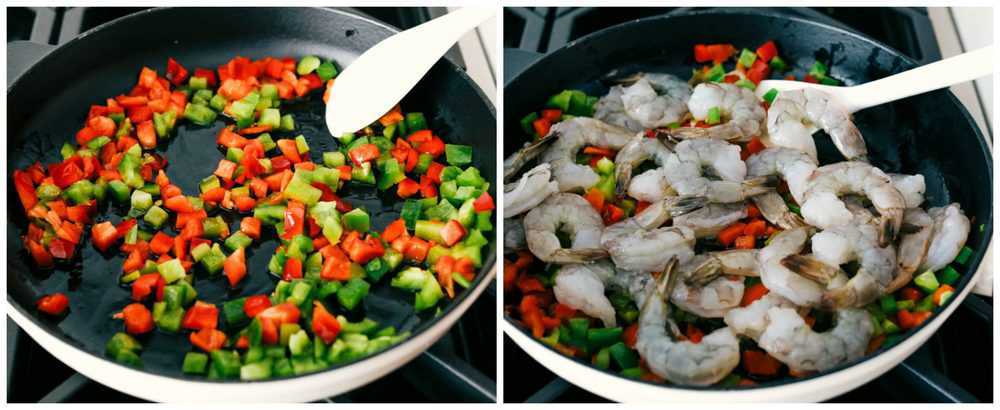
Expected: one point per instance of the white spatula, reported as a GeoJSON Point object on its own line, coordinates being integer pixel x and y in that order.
{"type": "Point", "coordinates": [939, 74]}
{"type": "Point", "coordinates": [375, 82]}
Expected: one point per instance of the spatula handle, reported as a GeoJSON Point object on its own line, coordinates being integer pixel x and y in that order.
{"type": "Point", "coordinates": [940, 74]}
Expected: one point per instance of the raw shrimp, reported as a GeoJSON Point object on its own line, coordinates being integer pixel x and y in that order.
{"type": "Point", "coordinates": [918, 228]}
{"type": "Point", "coordinates": [711, 299]}
{"type": "Point", "coordinates": [656, 100]}
{"type": "Point", "coordinates": [573, 135]}
{"type": "Point", "coordinates": [611, 110]}
{"type": "Point", "coordinates": [793, 342]}
{"type": "Point", "coordinates": [529, 191]}
{"type": "Point", "coordinates": [513, 235]}
{"type": "Point", "coordinates": [692, 158]}
{"type": "Point", "coordinates": [707, 222]}
{"type": "Point", "coordinates": [795, 167]}
{"type": "Point", "coordinates": [681, 362]}
{"type": "Point", "coordinates": [824, 209]}
{"type": "Point", "coordinates": [739, 108]}
{"type": "Point", "coordinates": [646, 188]}
{"type": "Point", "coordinates": [530, 151]}
{"type": "Point", "coordinates": [739, 262]}
{"type": "Point", "coordinates": [751, 320]}
{"type": "Point", "coordinates": [912, 187]}
{"type": "Point", "coordinates": [639, 244]}
{"type": "Point", "coordinates": [951, 229]}
{"type": "Point", "coordinates": [793, 112]}
{"type": "Point", "coordinates": [581, 287]}
{"type": "Point", "coordinates": [839, 245]}
{"type": "Point", "coordinates": [571, 214]}
{"type": "Point", "coordinates": [779, 279]}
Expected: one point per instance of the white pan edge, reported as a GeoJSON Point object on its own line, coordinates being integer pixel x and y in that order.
{"type": "Point", "coordinates": [817, 389]}
{"type": "Point", "coordinates": [328, 383]}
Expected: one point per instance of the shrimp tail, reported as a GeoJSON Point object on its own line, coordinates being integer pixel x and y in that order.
{"type": "Point", "coordinates": [759, 185]}
{"type": "Point", "coordinates": [517, 160]}
{"type": "Point", "coordinates": [582, 255]}
{"type": "Point", "coordinates": [810, 268]}
{"type": "Point", "coordinates": [704, 273]}
{"type": "Point", "coordinates": [890, 225]}
{"type": "Point", "coordinates": [681, 205]}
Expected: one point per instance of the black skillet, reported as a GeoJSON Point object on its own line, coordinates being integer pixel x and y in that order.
{"type": "Point", "coordinates": [931, 134]}
{"type": "Point", "coordinates": [49, 102]}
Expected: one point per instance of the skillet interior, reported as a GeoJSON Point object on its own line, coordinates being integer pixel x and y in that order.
{"type": "Point", "coordinates": [930, 134]}
{"type": "Point", "coordinates": [48, 104]}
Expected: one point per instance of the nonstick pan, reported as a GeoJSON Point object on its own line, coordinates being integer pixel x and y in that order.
{"type": "Point", "coordinates": [49, 102]}
{"type": "Point", "coordinates": [930, 134]}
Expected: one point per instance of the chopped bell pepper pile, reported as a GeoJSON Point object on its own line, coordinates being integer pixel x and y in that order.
{"type": "Point", "coordinates": [330, 255]}
{"type": "Point", "coordinates": [527, 282]}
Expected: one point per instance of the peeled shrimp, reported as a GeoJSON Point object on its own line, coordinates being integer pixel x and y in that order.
{"type": "Point", "coordinates": [795, 167]}
{"type": "Point", "coordinates": [751, 320]}
{"type": "Point", "coordinates": [656, 100]}
{"type": "Point", "coordinates": [918, 228]}
{"type": "Point", "coordinates": [569, 213]}
{"type": "Point", "coordinates": [686, 168]}
{"type": "Point", "coordinates": [951, 229]}
{"type": "Point", "coordinates": [611, 110]}
{"type": "Point", "coordinates": [779, 279]}
{"type": "Point", "coordinates": [793, 112]}
{"type": "Point", "coordinates": [793, 342]}
{"type": "Point", "coordinates": [529, 191]}
{"type": "Point", "coordinates": [712, 299]}
{"type": "Point", "coordinates": [824, 209]}
{"type": "Point", "coordinates": [839, 245]}
{"type": "Point", "coordinates": [739, 108]}
{"type": "Point", "coordinates": [573, 135]}
{"type": "Point", "coordinates": [912, 187]}
{"type": "Point", "coordinates": [647, 188]}
{"type": "Point", "coordinates": [681, 362]}
{"type": "Point", "coordinates": [639, 244]}
{"type": "Point", "coordinates": [581, 287]}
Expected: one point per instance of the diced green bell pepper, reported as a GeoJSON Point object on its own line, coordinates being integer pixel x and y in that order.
{"type": "Point", "coordinates": [352, 292]}
{"type": "Point", "coordinates": [927, 282]}
{"type": "Point", "coordinates": [458, 155]}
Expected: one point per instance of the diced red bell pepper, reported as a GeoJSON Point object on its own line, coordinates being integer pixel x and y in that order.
{"type": "Point", "coordinates": [103, 235]}
{"type": "Point", "coordinates": [294, 219]}
{"type": "Point", "coordinates": [256, 304]}
{"type": "Point", "coordinates": [208, 339]}
{"type": "Point", "coordinates": [434, 147]}
{"type": "Point", "coordinates": [102, 126]}
{"type": "Point", "coordinates": [138, 319]}
{"type": "Point", "coordinates": [161, 243]}
{"type": "Point", "coordinates": [70, 232]}
{"type": "Point", "coordinates": [146, 284]}
{"type": "Point", "coordinates": [324, 324]}
{"type": "Point", "coordinates": [61, 249]}
{"type": "Point", "coordinates": [25, 189]}
{"type": "Point", "coordinates": [364, 153]}
{"type": "Point", "coordinates": [235, 267]}
{"type": "Point", "coordinates": [336, 265]}
{"type": "Point", "coordinates": [65, 173]}
{"type": "Point", "coordinates": [541, 127]}
{"type": "Point", "coordinates": [452, 232]}
{"type": "Point", "coordinates": [250, 226]}
{"type": "Point", "coordinates": [225, 169]}
{"type": "Point", "coordinates": [767, 51]}
{"type": "Point", "coordinates": [134, 261]}
{"type": "Point", "coordinates": [434, 172]}
{"type": "Point", "coordinates": [147, 77]}
{"type": "Point", "coordinates": [178, 203]}
{"type": "Point", "coordinates": [407, 187]}
{"type": "Point", "coordinates": [759, 71]}
{"type": "Point", "coordinates": [292, 270]}
{"type": "Point", "coordinates": [273, 317]}
{"type": "Point", "coordinates": [716, 53]}
{"type": "Point", "coordinates": [427, 187]}
{"type": "Point", "coordinates": [484, 203]}
{"type": "Point", "coordinates": [290, 150]}
{"type": "Point", "coordinates": [201, 316]}
{"type": "Point", "coordinates": [176, 73]}
{"type": "Point", "coordinates": [207, 74]}
{"type": "Point", "coordinates": [230, 139]}
{"type": "Point", "coordinates": [363, 251]}
{"type": "Point", "coordinates": [416, 249]}
{"type": "Point", "coordinates": [612, 214]}
{"type": "Point", "coordinates": [54, 304]}
{"type": "Point", "coordinates": [395, 229]}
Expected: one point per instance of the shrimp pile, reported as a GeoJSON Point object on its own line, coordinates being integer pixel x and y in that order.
{"type": "Point", "coordinates": [691, 224]}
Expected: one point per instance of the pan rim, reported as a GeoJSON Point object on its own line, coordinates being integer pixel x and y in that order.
{"type": "Point", "coordinates": [965, 286]}
{"type": "Point", "coordinates": [483, 279]}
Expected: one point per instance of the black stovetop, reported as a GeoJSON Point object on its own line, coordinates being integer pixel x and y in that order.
{"type": "Point", "coordinates": [953, 366]}
{"type": "Point", "coordinates": [461, 367]}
